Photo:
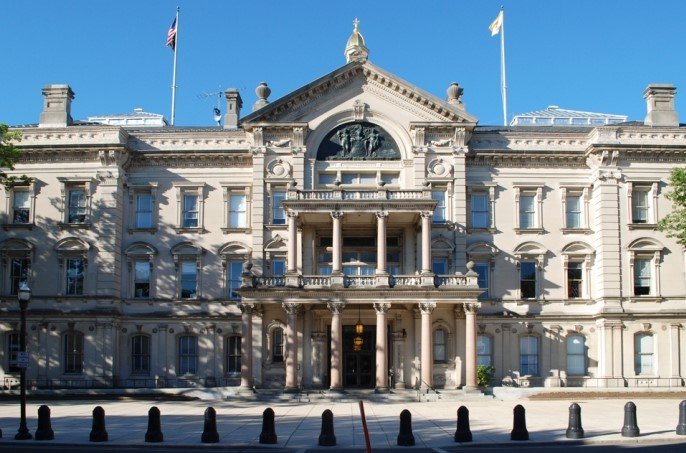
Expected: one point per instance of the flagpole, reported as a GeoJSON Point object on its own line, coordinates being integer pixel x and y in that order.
{"type": "Point", "coordinates": [176, 46]}
{"type": "Point", "coordinates": [503, 80]}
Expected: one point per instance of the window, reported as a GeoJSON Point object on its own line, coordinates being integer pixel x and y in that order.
{"type": "Point", "coordinates": [233, 354]}
{"type": "Point", "coordinates": [13, 346]}
{"type": "Point", "coordinates": [439, 345]}
{"type": "Point", "coordinates": [143, 210]}
{"type": "Point", "coordinates": [641, 277]}
{"type": "Point", "coordinates": [362, 179]}
{"type": "Point", "coordinates": [575, 283]}
{"type": "Point", "coordinates": [483, 269]}
{"type": "Point", "coordinates": [277, 342]}
{"type": "Point", "coordinates": [140, 354]}
{"type": "Point", "coordinates": [278, 213]}
{"type": "Point", "coordinates": [643, 353]}
{"type": "Point", "coordinates": [527, 280]}
{"type": "Point", "coordinates": [573, 211]}
{"type": "Point", "coordinates": [479, 205]}
{"type": "Point", "coordinates": [77, 208]}
{"type": "Point", "coordinates": [576, 355]}
{"type": "Point", "coordinates": [278, 267]}
{"type": "Point", "coordinates": [440, 213]}
{"type": "Point", "coordinates": [189, 280]}
{"type": "Point", "coordinates": [141, 282]}
{"type": "Point", "coordinates": [484, 350]}
{"type": "Point", "coordinates": [439, 266]}
{"type": "Point", "coordinates": [234, 271]}
{"type": "Point", "coordinates": [639, 206]}
{"type": "Point", "coordinates": [190, 211]}
{"type": "Point", "coordinates": [528, 356]}
{"type": "Point", "coordinates": [21, 206]}
{"type": "Point", "coordinates": [188, 354]}
{"type": "Point", "coordinates": [19, 273]}
{"type": "Point", "coordinates": [237, 210]}
{"type": "Point", "coordinates": [75, 276]}
{"type": "Point", "coordinates": [73, 352]}
{"type": "Point", "coordinates": [527, 211]}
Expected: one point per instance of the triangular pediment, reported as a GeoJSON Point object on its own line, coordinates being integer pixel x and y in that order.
{"type": "Point", "coordinates": [354, 80]}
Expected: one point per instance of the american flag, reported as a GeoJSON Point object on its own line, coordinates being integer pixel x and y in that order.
{"type": "Point", "coordinates": [171, 36]}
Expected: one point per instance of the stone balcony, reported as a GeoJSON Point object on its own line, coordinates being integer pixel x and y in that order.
{"type": "Point", "coordinates": [363, 281]}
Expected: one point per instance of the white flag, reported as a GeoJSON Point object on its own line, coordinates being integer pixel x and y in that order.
{"type": "Point", "coordinates": [497, 24]}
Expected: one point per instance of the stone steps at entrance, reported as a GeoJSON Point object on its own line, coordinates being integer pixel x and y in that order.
{"type": "Point", "coordinates": [352, 395]}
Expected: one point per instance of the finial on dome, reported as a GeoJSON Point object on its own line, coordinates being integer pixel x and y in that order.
{"type": "Point", "coordinates": [355, 50]}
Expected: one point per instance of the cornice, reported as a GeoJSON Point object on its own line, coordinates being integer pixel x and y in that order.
{"type": "Point", "coordinates": [548, 160]}
{"type": "Point", "coordinates": [197, 141]}
{"type": "Point", "coordinates": [191, 159]}
{"type": "Point", "coordinates": [72, 136]}
{"type": "Point", "coordinates": [322, 295]}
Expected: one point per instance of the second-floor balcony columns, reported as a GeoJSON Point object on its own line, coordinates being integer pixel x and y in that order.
{"type": "Point", "coordinates": [426, 242]}
{"type": "Point", "coordinates": [381, 268]}
{"type": "Point", "coordinates": [337, 258]}
{"type": "Point", "coordinates": [292, 258]}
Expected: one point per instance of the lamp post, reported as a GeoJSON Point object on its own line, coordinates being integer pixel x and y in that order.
{"type": "Point", "coordinates": [24, 295]}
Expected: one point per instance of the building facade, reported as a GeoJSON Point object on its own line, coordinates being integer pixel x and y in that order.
{"type": "Point", "coordinates": [356, 233]}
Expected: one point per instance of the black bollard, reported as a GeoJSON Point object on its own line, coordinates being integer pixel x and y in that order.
{"type": "Point", "coordinates": [463, 433]}
{"type": "Point", "coordinates": [98, 432]}
{"type": "Point", "coordinates": [681, 427]}
{"type": "Point", "coordinates": [630, 428]}
{"type": "Point", "coordinates": [574, 428]}
{"type": "Point", "coordinates": [209, 431]}
{"type": "Point", "coordinates": [327, 437]}
{"type": "Point", "coordinates": [519, 431]}
{"type": "Point", "coordinates": [268, 434]}
{"type": "Point", "coordinates": [154, 432]}
{"type": "Point", "coordinates": [405, 436]}
{"type": "Point", "coordinates": [44, 430]}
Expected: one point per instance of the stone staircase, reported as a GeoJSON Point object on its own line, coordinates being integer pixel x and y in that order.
{"type": "Point", "coordinates": [354, 395]}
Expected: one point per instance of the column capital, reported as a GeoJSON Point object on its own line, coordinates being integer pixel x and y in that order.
{"type": "Point", "coordinates": [471, 308]}
{"type": "Point", "coordinates": [336, 214]}
{"type": "Point", "coordinates": [291, 308]}
{"type": "Point", "coordinates": [426, 214]}
{"type": "Point", "coordinates": [292, 214]}
{"type": "Point", "coordinates": [382, 307]}
{"type": "Point", "coordinates": [381, 215]}
{"type": "Point", "coordinates": [427, 307]}
{"type": "Point", "coordinates": [336, 307]}
{"type": "Point", "coordinates": [458, 311]}
{"type": "Point", "coordinates": [246, 308]}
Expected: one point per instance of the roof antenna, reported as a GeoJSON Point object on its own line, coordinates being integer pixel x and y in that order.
{"type": "Point", "coordinates": [216, 111]}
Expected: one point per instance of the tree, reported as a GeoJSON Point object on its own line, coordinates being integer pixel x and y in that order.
{"type": "Point", "coordinates": [9, 154]}
{"type": "Point", "coordinates": [674, 224]}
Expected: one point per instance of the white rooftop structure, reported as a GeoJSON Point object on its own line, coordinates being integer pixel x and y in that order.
{"type": "Point", "coordinates": [136, 118]}
{"type": "Point", "coordinates": [555, 116]}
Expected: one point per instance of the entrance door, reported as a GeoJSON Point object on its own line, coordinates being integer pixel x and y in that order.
{"type": "Point", "coordinates": [359, 367]}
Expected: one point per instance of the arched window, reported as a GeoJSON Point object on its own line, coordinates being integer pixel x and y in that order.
{"type": "Point", "coordinates": [188, 354]}
{"type": "Point", "coordinates": [643, 353]}
{"type": "Point", "coordinates": [576, 355]}
{"type": "Point", "coordinates": [528, 355]}
{"type": "Point", "coordinates": [233, 354]}
{"type": "Point", "coordinates": [484, 350]}
{"type": "Point", "coordinates": [140, 354]}
{"type": "Point", "coordinates": [440, 341]}
{"type": "Point", "coordinates": [73, 352]}
{"type": "Point", "coordinates": [277, 345]}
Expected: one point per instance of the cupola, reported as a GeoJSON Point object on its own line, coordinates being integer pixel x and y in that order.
{"type": "Point", "coordinates": [355, 50]}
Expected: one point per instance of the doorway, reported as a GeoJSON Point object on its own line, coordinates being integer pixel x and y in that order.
{"type": "Point", "coordinates": [359, 367]}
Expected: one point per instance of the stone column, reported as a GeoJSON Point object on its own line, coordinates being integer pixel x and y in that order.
{"type": "Point", "coordinates": [381, 268]}
{"type": "Point", "coordinates": [426, 241]}
{"type": "Point", "coordinates": [427, 357]}
{"type": "Point", "coordinates": [675, 352]}
{"type": "Point", "coordinates": [292, 309]}
{"type": "Point", "coordinates": [459, 345]}
{"type": "Point", "coordinates": [292, 259]}
{"type": "Point", "coordinates": [470, 345]}
{"type": "Point", "coordinates": [246, 345]}
{"type": "Point", "coordinates": [337, 218]}
{"type": "Point", "coordinates": [336, 372]}
{"type": "Point", "coordinates": [381, 347]}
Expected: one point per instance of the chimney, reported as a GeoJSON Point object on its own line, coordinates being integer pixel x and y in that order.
{"type": "Point", "coordinates": [56, 106]}
{"type": "Point", "coordinates": [660, 99]}
{"type": "Point", "coordinates": [233, 108]}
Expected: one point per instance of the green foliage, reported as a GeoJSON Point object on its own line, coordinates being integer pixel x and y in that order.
{"type": "Point", "coordinates": [9, 155]}
{"type": "Point", "coordinates": [674, 224]}
{"type": "Point", "coordinates": [484, 374]}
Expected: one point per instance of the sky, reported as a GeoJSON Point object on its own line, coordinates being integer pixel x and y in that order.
{"type": "Point", "coordinates": [592, 55]}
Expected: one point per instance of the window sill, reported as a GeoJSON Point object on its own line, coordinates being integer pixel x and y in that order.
{"type": "Point", "coordinates": [481, 230]}
{"type": "Point", "coordinates": [656, 299]}
{"type": "Point", "coordinates": [189, 230]}
{"type": "Point", "coordinates": [578, 301]}
{"type": "Point", "coordinates": [276, 226]}
{"type": "Point", "coordinates": [142, 230]}
{"type": "Point", "coordinates": [529, 230]}
{"type": "Point", "coordinates": [236, 230]}
{"type": "Point", "coordinates": [76, 226]}
{"type": "Point", "coordinates": [576, 231]}
{"type": "Point", "coordinates": [18, 226]}
{"type": "Point", "coordinates": [643, 226]}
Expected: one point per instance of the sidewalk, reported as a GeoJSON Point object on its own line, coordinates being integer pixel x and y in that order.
{"type": "Point", "coordinates": [298, 425]}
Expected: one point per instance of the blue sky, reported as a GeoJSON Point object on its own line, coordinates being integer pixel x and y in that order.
{"type": "Point", "coordinates": [584, 54]}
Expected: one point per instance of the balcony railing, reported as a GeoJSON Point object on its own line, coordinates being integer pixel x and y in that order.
{"type": "Point", "coordinates": [362, 281]}
{"type": "Point", "coordinates": [343, 194]}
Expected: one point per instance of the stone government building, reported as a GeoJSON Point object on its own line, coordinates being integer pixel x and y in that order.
{"type": "Point", "coordinates": [253, 254]}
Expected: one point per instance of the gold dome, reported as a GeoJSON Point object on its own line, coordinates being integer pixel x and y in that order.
{"type": "Point", "coordinates": [355, 49]}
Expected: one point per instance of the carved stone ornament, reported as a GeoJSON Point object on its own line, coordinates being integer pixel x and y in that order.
{"type": "Point", "coordinates": [439, 168]}
{"type": "Point", "coordinates": [359, 110]}
{"type": "Point", "coordinates": [279, 143]}
{"type": "Point", "coordinates": [427, 307]}
{"type": "Point", "coordinates": [279, 168]}
{"type": "Point", "coordinates": [336, 307]}
{"type": "Point", "coordinates": [358, 141]}
{"type": "Point", "coordinates": [291, 308]}
{"type": "Point", "coordinates": [471, 308]}
{"type": "Point", "coordinates": [246, 308]}
{"type": "Point", "coordinates": [382, 307]}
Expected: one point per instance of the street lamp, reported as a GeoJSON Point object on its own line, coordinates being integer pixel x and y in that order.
{"type": "Point", "coordinates": [24, 295]}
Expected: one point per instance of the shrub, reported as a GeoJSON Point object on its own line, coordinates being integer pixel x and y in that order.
{"type": "Point", "coordinates": [484, 374]}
